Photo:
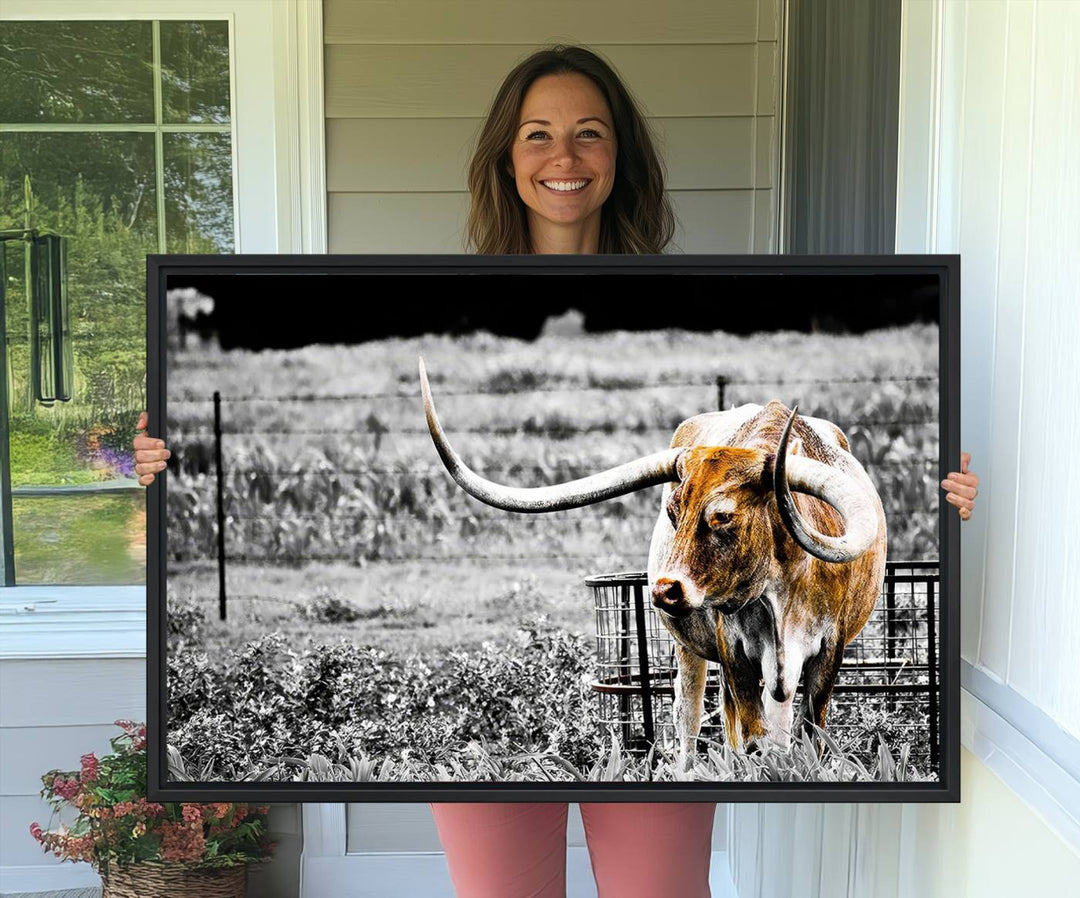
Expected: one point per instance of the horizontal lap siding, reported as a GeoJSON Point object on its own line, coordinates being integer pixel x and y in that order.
{"type": "Point", "coordinates": [460, 80]}
{"type": "Point", "coordinates": [529, 23]}
{"type": "Point", "coordinates": [53, 712]}
{"type": "Point", "coordinates": [408, 84]}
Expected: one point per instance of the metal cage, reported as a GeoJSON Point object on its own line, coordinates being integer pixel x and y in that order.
{"type": "Point", "coordinates": [887, 688]}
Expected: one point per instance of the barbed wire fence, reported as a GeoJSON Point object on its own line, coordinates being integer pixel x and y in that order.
{"type": "Point", "coordinates": [723, 385]}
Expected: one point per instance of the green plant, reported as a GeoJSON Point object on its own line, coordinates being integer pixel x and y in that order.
{"type": "Point", "coordinates": [116, 824]}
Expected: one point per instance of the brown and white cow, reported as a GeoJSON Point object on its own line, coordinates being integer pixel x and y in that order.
{"type": "Point", "coordinates": [768, 584]}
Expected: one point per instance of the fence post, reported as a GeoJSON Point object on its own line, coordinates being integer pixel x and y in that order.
{"type": "Point", "coordinates": [220, 504]}
{"type": "Point", "coordinates": [890, 631]}
{"type": "Point", "coordinates": [643, 664]}
{"type": "Point", "coordinates": [721, 383]}
{"type": "Point", "coordinates": [625, 701]}
{"type": "Point", "coordinates": [932, 671]}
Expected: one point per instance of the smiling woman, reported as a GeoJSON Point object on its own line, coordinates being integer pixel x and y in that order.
{"type": "Point", "coordinates": [565, 163]}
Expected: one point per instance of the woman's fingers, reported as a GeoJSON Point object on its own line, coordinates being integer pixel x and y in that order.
{"type": "Point", "coordinates": [961, 487]}
{"type": "Point", "coordinates": [150, 467]}
{"type": "Point", "coordinates": [964, 506]}
{"type": "Point", "coordinates": [965, 485]}
{"type": "Point", "coordinates": [150, 452]}
{"type": "Point", "coordinates": [960, 501]}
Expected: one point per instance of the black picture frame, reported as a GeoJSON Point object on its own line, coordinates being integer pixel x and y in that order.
{"type": "Point", "coordinates": [944, 270]}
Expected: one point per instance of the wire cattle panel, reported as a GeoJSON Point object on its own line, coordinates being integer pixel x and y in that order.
{"type": "Point", "coordinates": [887, 688]}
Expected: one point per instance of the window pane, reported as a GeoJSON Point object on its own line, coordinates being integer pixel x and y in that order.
{"type": "Point", "coordinates": [76, 72]}
{"type": "Point", "coordinates": [81, 540]}
{"type": "Point", "coordinates": [198, 193]}
{"type": "Point", "coordinates": [195, 71]}
{"type": "Point", "coordinates": [98, 191]}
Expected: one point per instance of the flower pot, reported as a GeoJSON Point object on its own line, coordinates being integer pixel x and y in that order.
{"type": "Point", "coordinates": [170, 880]}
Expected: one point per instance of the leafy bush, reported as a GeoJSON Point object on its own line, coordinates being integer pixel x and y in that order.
{"type": "Point", "coordinates": [185, 619]}
{"type": "Point", "coordinates": [265, 702]}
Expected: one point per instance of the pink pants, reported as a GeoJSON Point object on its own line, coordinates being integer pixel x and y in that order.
{"type": "Point", "coordinates": [648, 850]}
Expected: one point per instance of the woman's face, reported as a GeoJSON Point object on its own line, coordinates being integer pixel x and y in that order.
{"type": "Point", "coordinates": [563, 154]}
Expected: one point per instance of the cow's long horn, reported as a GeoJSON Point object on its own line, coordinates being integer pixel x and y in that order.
{"type": "Point", "coordinates": [824, 482]}
{"type": "Point", "coordinates": [635, 475]}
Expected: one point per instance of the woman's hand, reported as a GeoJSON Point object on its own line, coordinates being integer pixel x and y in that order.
{"type": "Point", "coordinates": [962, 487]}
{"type": "Point", "coordinates": [150, 453]}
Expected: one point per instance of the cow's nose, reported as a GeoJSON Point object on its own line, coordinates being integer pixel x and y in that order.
{"type": "Point", "coordinates": [668, 595]}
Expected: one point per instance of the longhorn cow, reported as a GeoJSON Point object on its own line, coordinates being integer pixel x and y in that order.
{"type": "Point", "coordinates": [771, 586]}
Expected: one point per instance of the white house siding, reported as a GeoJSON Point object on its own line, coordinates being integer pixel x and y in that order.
{"type": "Point", "coordinates": [989, 150]}
{"type": "Point", "coordinates": [54, 710]}
{"type": "Point", "coordinates": [408, 83]}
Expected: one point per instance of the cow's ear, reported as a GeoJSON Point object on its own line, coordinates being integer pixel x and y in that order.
{"type": "Point", "coordinates": [768, 467]}
{"type": "Point", "coordinates": [680, 464]}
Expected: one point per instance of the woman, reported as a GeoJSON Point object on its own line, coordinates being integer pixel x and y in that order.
{"type": "Point", "coordinates": [565, 164]}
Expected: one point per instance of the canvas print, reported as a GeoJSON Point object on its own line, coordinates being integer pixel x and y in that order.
{"type": "Point", "coordinates": [554, 526]}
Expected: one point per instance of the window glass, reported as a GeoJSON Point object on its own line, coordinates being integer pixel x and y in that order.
{"type": "Point", "coordinates": [198, 193]}
{"type": "Point", "coordinates": [195, 71]}
{"type": "Point", "coordinates": [128, 180]}
{"type": "Point", "coordinates": [62, 72]}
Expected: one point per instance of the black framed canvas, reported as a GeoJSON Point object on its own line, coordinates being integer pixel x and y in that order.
{"type": "Point", "coordinates": [461, 528]}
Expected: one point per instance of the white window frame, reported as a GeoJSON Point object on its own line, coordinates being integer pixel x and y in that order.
{"type": "Point", "coordinates": [279, 205]}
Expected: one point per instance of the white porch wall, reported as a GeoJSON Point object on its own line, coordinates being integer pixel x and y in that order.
{"type": "Point", "coordinates": [989, 143]}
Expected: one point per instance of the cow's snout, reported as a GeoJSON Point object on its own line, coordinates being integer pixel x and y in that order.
{"type": "Point", "coordinates": [668, 595]}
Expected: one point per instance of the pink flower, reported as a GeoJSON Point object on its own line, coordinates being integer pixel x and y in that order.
{"type": "Point", "coordinates": [66, 789]}
{"type": "Point", "coordinates": [150, 808]}
{"type": "Point", "coordinates": [36, 832]}
{"type": "Point", "coordinates": [89, 768]}
{"type": "Point", "coordinates": [192, 813]}
{"type": "Point", "coordinates": [181, 842]}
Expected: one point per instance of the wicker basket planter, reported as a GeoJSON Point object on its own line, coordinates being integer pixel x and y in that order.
{"type": "Point", "coordinates": [174, 881]}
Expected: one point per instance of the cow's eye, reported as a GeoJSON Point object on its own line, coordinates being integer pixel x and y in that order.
{"type": "Point", "coordinates": [719, 520]}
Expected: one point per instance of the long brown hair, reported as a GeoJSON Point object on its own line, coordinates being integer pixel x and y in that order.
{"type": "Point", "coordinates": [637, 216]}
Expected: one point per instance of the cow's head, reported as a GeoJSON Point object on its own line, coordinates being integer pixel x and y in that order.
{"type": "Point", "coordinates": [724, 534]}
{"type": "Point", "coordinates": [723, 542]}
